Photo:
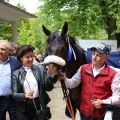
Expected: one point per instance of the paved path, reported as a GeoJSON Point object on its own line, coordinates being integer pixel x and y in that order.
{"type": "Point", "coordinates": [57, 104]}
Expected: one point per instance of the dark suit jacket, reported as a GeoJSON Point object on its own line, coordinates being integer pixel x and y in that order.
{"type": "Point", "coordinates": [14, 64]}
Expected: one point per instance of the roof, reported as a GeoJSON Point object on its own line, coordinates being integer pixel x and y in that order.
{"type": "Point", "coordinates": [11, 13]}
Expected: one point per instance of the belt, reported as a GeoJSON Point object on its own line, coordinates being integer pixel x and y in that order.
{"type": "Point", "coordinates": [6, 97]}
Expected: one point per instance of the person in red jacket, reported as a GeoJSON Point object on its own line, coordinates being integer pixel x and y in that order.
{"type": "Point", "coordinates": [100, 84]}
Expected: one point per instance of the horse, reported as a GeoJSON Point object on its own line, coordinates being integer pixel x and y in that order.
{"type": "Point", "coordinates": [66, 47]}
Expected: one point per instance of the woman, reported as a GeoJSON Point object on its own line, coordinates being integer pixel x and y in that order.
{"type": "Point", "coordinates": [28, 84]}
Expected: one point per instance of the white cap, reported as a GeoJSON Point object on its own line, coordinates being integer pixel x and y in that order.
{"type": "Point", "coordinates": [54, 59]}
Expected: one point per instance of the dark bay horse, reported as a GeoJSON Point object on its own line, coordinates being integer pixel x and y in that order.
{"type": "Point", "coordinates": [64, 46]}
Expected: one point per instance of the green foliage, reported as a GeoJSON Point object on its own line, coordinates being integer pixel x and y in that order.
{"type": "Point", "coordinates": [6, 31]}
{"type": "Point", "coordinates": [25, 35]}
{"type": "Point", "coordinates": [36, 29]}
{"type": "Point", "coordinates": [87, 18]}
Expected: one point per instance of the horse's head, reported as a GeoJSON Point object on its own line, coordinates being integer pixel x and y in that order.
{"type": "Point", "coordinates": [65, 47]}
{"type": "Point", "coordinates": [56, 41]}
{"type": "Point", "coordinates": [56, 45]}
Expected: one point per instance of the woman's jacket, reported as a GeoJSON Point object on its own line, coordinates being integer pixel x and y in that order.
{"type": "Point", "coordinates": [44, 84]}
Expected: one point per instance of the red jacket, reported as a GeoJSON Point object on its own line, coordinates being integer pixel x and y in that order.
{"type": "Point", "coordinates": [95, 87]}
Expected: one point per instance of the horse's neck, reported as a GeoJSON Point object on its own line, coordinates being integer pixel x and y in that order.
{"type": "Point", "coordinates": [71, 68]}
{"type": "Point", "coordinates": [73, 65]}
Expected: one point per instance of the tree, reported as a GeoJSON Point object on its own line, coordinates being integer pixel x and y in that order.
{"type": "Point", "coordinates": [88, 19]}
{"type": "Point", "coordinates": [109, 11]}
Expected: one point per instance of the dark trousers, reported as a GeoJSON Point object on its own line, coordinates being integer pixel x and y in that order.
{"type": "Point", "coordinates": [29, 110]}
{"type": "Point", "coordinates": [7, 105]}
{"type": "Point", "coordinates": [84, 117]}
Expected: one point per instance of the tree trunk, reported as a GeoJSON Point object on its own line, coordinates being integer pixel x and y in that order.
{"type": "Point", "coordinates": [109, 19]}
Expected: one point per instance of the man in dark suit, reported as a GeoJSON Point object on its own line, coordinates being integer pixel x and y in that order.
{"type": "Point", "coordinates": [8, 64]}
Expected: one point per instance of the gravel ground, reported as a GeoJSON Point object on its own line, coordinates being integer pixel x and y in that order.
{"type": "Point", "coordinates": [57, 104]}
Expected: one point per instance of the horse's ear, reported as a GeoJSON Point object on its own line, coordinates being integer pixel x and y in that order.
{"type": "Point", "coordinates": [64, 29]}
{"type": "Point", "coordinates": [45, 30]}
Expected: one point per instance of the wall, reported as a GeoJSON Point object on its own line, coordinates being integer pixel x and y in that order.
{"type": "Point", "coordinates": [91, 43]}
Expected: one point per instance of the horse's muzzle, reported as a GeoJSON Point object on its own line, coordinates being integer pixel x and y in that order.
{"type": "Point", "coordinates": [53, 78]}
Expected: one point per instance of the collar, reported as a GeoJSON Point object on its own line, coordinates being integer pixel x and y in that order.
{"type": "Point", "coordinates": [98, 70]}
{"type": "Point", "coordinates": [27, 68]}
{"type": "Point", "coordinates": [5, 62]}
{"type": "Point", "coordinates": [103, 71]}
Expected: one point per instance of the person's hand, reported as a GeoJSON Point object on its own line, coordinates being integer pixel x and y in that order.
{"type": "Point", "coordinates": [29, 94]}
{"type": "Point", "coordinates": [61, 76]}
{"type": "Point", "coordinates": [97, 103]}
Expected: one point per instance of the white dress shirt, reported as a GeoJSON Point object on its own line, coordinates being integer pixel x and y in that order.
{"type": "Point", "coordinates": [5, 78]}
{"type": "Point", "coordinates": [30, 83]}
